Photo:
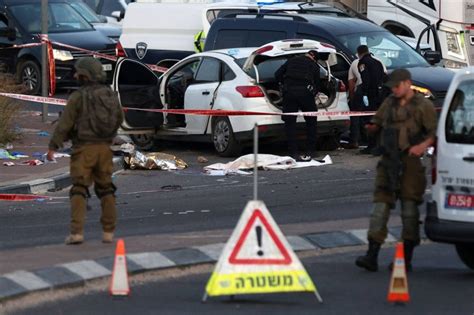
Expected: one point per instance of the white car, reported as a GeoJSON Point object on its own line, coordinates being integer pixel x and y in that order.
{"type": "Point", "coordinates": [235, 79]}
{"type": "Point", "coordinates": [450, 214]}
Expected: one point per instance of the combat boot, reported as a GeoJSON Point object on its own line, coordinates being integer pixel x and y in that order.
{"type": "Point", "coordinates": [107, 237]}
{"type": "Point", "coordinates": [369, 261]}
{"type": "Point", "coordinates": [74, 239]}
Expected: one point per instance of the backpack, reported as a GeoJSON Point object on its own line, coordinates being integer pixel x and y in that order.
{"type": "Point", "coordinates": [101, 114]}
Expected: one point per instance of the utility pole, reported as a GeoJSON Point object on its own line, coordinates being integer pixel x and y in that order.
{"type": "Point", "coordinates": [44, 57]}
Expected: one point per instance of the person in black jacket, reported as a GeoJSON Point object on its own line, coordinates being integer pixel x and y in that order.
{"type": "Point", "coordinates": [300, 79]}
{"type": "Point", "coordinates": [373, 74]}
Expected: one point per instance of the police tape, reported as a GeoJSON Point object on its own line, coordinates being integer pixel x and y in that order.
{"type": "Point", "coordinates": [23, 197]}
{"type": "Point", "coordinates": [197, 112]}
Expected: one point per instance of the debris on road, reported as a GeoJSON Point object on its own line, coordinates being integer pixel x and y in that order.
{"type": "Point", "coordinates": [5, 155]}
{"type": "Point", "coordinates": [154, 161]}
{"type": "Point", "coordinates": [202, 159]}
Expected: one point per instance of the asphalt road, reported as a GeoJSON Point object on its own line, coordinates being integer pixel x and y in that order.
{"type": "Point", "coordinates": [439, 284]}
{"type": "Point", "coordinates": [154, 202]}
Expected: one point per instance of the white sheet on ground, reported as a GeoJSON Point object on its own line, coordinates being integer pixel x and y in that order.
{"type": "Point", "coordinates": [264, 161]}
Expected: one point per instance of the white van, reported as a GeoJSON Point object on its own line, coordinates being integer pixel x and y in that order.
{"type": "Point", "coordinates": [445, 24]}
{"type": "Point", "coordinates": [450, 214]}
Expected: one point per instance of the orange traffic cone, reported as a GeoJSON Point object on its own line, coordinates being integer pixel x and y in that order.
{"type": "Point", "coordinates": [398, 290]}
{"type": "Point", "coordinates": [119, 282]}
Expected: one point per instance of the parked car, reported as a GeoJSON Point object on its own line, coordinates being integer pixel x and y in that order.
{"type": "Point", "coordinates": [113, 10]}
{"type": "Point", "coordinates": [346, 34]}
{"type": "Point", "coordinates": [229, 79]}
{"type": "Point", "coordinates": [20, 23]}
{"type": "Point", "coordinates": [450, 213]}
{"type": "Point", "coordinates": [99, 22]}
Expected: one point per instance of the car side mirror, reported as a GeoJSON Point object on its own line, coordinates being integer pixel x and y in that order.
{"type": "Point", "coordinates": [119, 15]}
{"type": "Point", "coordinates": [102, 19]}
{"type": "Point", "coordinates": [433, 57]}
{"type": "Point", "coordinates": [7, 32]}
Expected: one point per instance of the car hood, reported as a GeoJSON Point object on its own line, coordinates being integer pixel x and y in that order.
{"type": "Point", "coordinates": [111, 31]}
{"type": "Point", "coordinates": [436, 79]}
{"type": "Point", "coordinates": [91, 40]}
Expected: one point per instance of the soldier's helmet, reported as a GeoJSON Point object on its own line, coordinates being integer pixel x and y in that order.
{"type": "Point", "coordinates": [91, 68]}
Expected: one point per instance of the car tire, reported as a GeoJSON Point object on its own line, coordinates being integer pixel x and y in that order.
{"type": "Point", "coordinates": [466, 253]}
{"type": "Point", "coordinates": [143, 142]}
{"type": "Point", "coordinates": [29, 74]}
{"type": "Point", "coordinates": [223, 138]}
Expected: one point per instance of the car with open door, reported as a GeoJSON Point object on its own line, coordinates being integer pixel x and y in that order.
{"type": "Point", "coordinates": [232, 79]}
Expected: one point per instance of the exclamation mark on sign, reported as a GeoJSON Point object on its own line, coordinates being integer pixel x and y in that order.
{"type": "Point", "coordinates": [258, 230]}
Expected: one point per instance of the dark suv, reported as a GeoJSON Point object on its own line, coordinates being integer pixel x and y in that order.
{"type": "Point", "coordinates": [20, 23]}
{"type": "Point", "coordinates": [344, 33]}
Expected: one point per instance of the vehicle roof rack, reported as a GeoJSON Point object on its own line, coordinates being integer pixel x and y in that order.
{"type": "Point", "coordinates": [263, 15]}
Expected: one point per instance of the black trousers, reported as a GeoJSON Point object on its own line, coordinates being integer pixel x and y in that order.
{"type": "Point", "coordinates": [294, 99]}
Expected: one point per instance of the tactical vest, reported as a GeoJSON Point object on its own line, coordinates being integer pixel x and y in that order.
{"type": "Point", "coordinates": [406, 120]}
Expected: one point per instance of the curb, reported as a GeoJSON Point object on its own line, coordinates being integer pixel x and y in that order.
{"type": "Point", "coordinates": [76, 274]}
{"type": "Point", "coordinates": [54, 183]}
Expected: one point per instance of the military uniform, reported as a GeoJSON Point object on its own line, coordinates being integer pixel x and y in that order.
{"type": "Point", "coordinates": [414, 122]}
{"type": "Point", "coordinates": [91, 158]}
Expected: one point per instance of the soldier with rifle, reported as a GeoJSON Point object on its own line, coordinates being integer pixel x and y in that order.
{"type": "Point", "coordinates": [407, 123]}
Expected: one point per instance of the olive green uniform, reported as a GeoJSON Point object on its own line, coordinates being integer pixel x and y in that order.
{"type": "Point", "coordinates": [91, 162]}
{"type": "Point", "coordinates": [413, 123]}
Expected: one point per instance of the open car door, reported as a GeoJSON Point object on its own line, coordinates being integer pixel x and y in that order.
{"type": "Point", "coordinates": [138, 87]}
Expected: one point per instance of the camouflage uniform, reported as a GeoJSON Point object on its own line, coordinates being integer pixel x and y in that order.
{"type": "Point", "coordinates": [414, 123]}
{"type": "Point", "coordinates": [91, 159]}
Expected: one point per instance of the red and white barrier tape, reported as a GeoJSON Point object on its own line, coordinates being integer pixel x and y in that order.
{"type": "Point", "coordinates": [22, 197]}
{"type": "Point", "coordinates": [199, 112]}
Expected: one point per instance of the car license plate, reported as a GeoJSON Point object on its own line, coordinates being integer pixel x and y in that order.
{"type": "Point", "coordinates": [107, 67]}
{"type": "Point", "coordinates": [464, 202]}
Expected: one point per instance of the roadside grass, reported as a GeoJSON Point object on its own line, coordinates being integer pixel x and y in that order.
{"type": "Point", "coordinates": [9, 108]}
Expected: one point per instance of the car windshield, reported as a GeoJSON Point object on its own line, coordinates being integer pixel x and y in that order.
{"type": "Point", "coordinates": [267, 69]}
{"type": "Point", "coordinates": [62, 18]}
{"type": "Point", "coordinates": [460, 118]}
{"type": "Point", "coordinates": [393, 52]}
{"type": "Point", "coordinates": [86, 12]}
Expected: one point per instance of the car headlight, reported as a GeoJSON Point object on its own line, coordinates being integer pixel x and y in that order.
{"type": "Point", "coordinates": [62, 55]}
{"type": "Point", "coordinates": [453, 43]}
{"type": "Point", "coordinates": [426, 92]}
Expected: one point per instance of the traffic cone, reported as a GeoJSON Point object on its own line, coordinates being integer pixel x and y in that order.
{"type": "Point", "coordinates": [398, 290]}
{"type": "Point", "coordinates": [119, 282]}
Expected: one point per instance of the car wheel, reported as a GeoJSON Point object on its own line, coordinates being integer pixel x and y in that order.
{"type": "Point", "coordinates": [143, 142]}
{"type": "Point", "coordinates": [223, 138]}
{"type": "Point", "coordinates": [466, 253]}
{"type": "Point", "coordinates": [29, 74]}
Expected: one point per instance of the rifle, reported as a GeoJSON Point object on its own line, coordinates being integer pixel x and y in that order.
{"type": "Point", "coordinates": [392, 161]}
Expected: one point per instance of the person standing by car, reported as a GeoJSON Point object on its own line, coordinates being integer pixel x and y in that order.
{"type": "Point", "coordinates": [372, 73]}
{"type": "Point", "coordinates": [300, 79]}
{"type": "Point", "coordinates": [407, 121]}
{"type": "Point", "coordinates": [91, 119]}
{"type": "Point", "coordinates": [355, 102]}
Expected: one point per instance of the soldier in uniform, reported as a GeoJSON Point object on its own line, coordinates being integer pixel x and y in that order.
{"type": "Point", "coordinates": [300, 78]}
{"type": "Point", "coordinates": [90, 120]}
{"type": "Point", "coordinates": [407, 122]}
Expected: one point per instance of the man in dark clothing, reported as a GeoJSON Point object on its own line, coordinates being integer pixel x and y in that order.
{"type": "Point", "coordinates": [300, 78]}
{"type": "Point", "coordinates": [372, 73]}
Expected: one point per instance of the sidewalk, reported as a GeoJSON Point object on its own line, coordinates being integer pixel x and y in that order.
{"type": "Point", "coordinates": [27, 179]}
{"type": "Point", "coordinates": [59, 266]}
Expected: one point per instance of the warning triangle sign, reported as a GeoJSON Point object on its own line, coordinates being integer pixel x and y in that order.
{"type": "Point", "coordinates": [258, 259]}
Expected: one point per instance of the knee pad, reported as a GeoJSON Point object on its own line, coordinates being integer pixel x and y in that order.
{"type": "Point", "coordinates": [80, 190]}
{"type": "Point", "coordinates": [102, 191]}
{"type": "Point", "coordinates": [410, 210]}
